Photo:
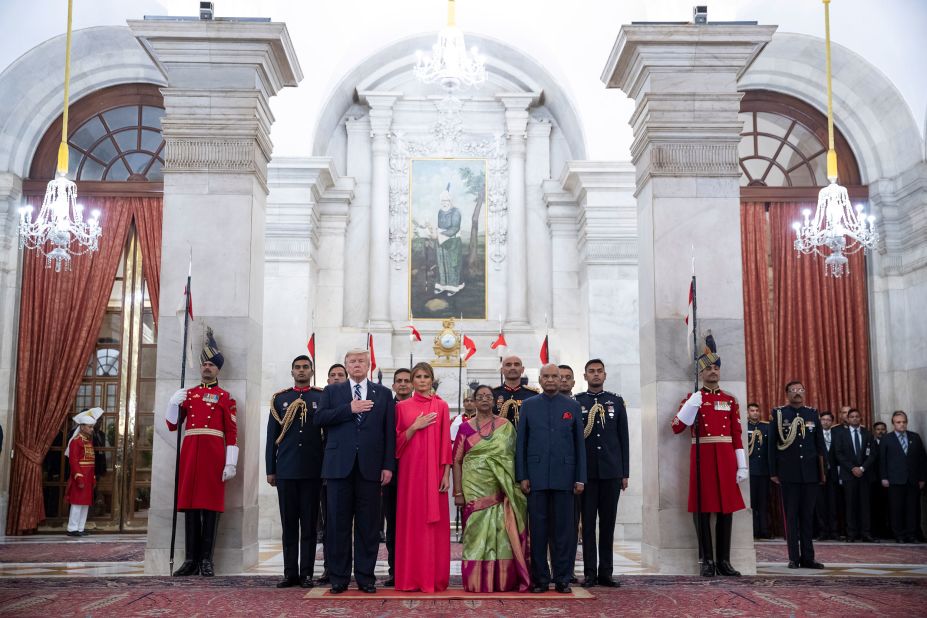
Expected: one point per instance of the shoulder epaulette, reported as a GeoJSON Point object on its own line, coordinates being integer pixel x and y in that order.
{"type": "Point", "coordinates": [532, 389]}
{"type": "Point", "coordinates": [274, 397]}
{"type": "Point", "coordinates": [317, 388]}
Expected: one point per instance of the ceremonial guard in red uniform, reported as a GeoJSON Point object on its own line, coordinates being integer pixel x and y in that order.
{"type": "Point", "coordinates": [208, 458]}
{"type": "Point", "coordinates": [512, 392]}
{"type": "Point", "coordinates": [82, 478]}
{"type": "Point", "coordinates": [723, 463]}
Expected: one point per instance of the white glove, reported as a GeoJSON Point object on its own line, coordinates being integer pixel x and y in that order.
{"type": "Point", "coordinates": [179, 397]}
{"type": "Point", "coordinates": [690, 408]}
{"type": "Point", "coordinates": [742, 472]}
{"type": "Point", "coordinates": [231, 456]}
{"type": "Point", "coordinates": [173, 406]}
{"type": "Point", "coordinates": [228, 473]}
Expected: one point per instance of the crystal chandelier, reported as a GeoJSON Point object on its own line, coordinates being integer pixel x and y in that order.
{"type": "Point", "coordinates": [60, 231]}
{"type": "Point", "coordinates": [450, 64]}
{"type": "Point", "coordinates": [836, 225]}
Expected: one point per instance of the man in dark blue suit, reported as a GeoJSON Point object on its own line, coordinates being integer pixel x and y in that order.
{"type": "Point", "coordinates": [360, 456]}
{"type": "Point", "coordinates": [293, 455]}
{"type": "Point", "coordinates": [855, 459]}
{"type": "Point", "coordinates": [903, 468]}
{"type": "Point", "coordinates": [550, 464]}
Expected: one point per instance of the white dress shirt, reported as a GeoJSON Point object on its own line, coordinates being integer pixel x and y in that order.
{"type": "Point", "coordinates": [363, 388]}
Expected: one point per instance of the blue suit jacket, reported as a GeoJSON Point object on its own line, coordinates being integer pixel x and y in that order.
{"type": "Point", "coordinates": [550, 448]}
{"type": "Point", "coordinates": [372, 444]}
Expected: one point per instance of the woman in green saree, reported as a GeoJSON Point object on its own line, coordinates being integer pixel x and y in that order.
{"type": "Point", "coordinates": [495, 537]}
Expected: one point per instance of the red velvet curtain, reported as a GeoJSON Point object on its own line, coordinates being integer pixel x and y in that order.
{"type": "Point", "coordinates": [60, 318]}
{"type": "Point", "coordinates": [754, 231]}
{"type": "Point", "coordinates": [148, 213]}
{"type": "Point", "coordinates": [822, 322]}
{"type": "Point", "coordinates": [816, 328]}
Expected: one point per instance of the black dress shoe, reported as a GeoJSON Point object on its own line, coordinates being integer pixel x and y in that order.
{"type": "Point", "coordinates": [305, 581]}
{"type": "Point", "coordinates": [338, 588]}
{"type": "Point", "coordinates": [538, 588]}
{"type": "Point", "coordinates": [589, 582]}
{"type": "Point", "coordinates": [73, 533]}
{"type": "Point", "coordinates": [206, 568]}
{"type": "Point", "coordinates": [608, 582]}
{"type": "Point", "coordinates": [708, 568]}
{"type": "Point", "coordinates": [793, 564]}
{"type": "Point", "coordinates": [368, 588]}
{"type": "Point", "coordinates": [323, 579]}
{"type": "Point", "coordinates": [725, 568]}
{"type": "Point", "coordinates": [563, 588]}
{"type": "Point", "coordinates": [811, 564]}
{"type": "Point", "coordinates": [573, 580]}
{"type": "Point", "coordinates": [390, 583]}
{"type": "Point", "coordinates": [288, 582]}
{"type": "Point", "coordinates": [868, 539]}
{"type": "Point", "coordinates": [189, 567]}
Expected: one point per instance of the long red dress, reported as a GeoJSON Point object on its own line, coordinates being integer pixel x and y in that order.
{"type": "Point", "coordinates": [423, 524]}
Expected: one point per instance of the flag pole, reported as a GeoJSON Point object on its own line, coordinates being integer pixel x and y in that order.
{"type": "Point", "coordinates": [501, 375]}
{"type": "Point", "coordinates": [183, 375]}
{"type": "Point", "coordinates": [695, 425]}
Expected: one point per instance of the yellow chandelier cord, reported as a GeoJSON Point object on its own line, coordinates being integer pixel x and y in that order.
{"type": "Point", "coordinates": [451, 17]}
{"type": "Point", "coordinates": [831, 152]}
{"type": "Point", "coordinates": [63, 146]}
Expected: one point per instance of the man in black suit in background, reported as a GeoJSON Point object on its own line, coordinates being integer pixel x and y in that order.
{"type": "Point", "coordinates": [825, 511]}
{"type": "Point", "coordinates": [878, 495]}
{"type": "Point", "coordinates": [903, 468]}
{"type": "Point", "coordinates": [360, 456]}
{"type": "Point", "coordinates": [550, 465]}
{"type": "Point", "coordinates": [855, 458]}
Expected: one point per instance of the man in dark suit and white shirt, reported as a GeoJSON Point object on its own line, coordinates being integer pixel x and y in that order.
{"type": "Point", "coordinates": [550, 464]}
{"type": "Point", "coordinates": [825, 510]}
{"type": "Point", "coordinates": [855, 459]}
{"type": "Point", "coordinates": [903, 468]}
{"type": "Point", "coordinates": [360, 456]}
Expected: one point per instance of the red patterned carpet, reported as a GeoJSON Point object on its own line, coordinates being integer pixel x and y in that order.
{"type": "Point", "coordinates": [849, 553]}
{"type": "Point", "coordinates": [639, 596]}
{"type": "Point", "coordinates": [70, 550]}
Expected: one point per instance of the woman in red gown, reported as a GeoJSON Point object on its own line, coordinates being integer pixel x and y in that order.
{"type": "Point", "coordinates": [423, 525]}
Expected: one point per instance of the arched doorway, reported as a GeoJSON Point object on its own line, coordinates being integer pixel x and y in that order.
{"type": "Point", "coordinates": [116, 156]}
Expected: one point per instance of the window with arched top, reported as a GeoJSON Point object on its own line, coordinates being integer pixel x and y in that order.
{"type": "Point", "coordinates": [122, 143]}
{"type": "Point", "coordinates": [783, 149]}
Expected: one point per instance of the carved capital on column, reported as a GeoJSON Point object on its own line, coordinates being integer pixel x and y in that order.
{"type": "Point", "coordinates": [381, 112]}
{"type": "Point", "coordinates": [516, 116]}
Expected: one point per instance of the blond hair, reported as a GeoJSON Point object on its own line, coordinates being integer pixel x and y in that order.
{"type": "Point", "coordinates": [356, 352]}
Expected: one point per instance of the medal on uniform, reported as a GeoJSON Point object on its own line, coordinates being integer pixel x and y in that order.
{"type": "Point", "coordinates": [724, 406]}
{"type": "Point", "coordinates": [809, 425]}
{"type": "Point", "coordinates": [211, 398]}
{"type": "Point", "coordinates": [611, 411]}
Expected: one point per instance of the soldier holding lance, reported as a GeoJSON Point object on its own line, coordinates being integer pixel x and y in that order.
{"type": "Point", "coordinates": [722, 461]}
{"type": "Point", "coordinates": [208, 458]}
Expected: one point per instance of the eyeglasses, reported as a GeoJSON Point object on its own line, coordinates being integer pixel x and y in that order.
{"type": "Point", "coordinates": [483, 398]}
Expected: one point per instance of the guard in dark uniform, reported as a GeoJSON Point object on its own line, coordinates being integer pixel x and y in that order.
{"type": "Point", "coordinates": [605, 427]}
{"type": "Point", "coordinates": [796, 463]}
{"type": "Point", "coordinates": [293, 456]}
{"type": "Point", "coordinates": [758, 448]}
{"type": "Point", "coordinates": [512, 392]}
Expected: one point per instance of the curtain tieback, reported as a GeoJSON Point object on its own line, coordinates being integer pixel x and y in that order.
{"type": "Point", "coordinates": [30, 455]}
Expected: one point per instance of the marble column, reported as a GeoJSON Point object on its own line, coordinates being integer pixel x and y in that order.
{"type": "Point", "coordinates": [216, 127]}
{"type": "Point", "coordinates": [516, 124]}
{"type": "Point", "coordinates": [10, 282]}
{"type": "Point", "coordinates": [608, 297]}
{"type": "Point", "coordinates": [357, 239]}
{"type": "Point", "coordinates": [381, 118]}
{"type": "Point", "coordinates": [683, 79]}
{"type": "Point", "coordinates": [537, 170]}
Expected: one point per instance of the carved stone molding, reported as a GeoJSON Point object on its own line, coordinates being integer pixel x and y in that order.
{"type": "Point", "coordinates": [448, 139]}
{"type": "Point", "coordinates": [694, 160]}
{"type": "Point", "coordinates": [611, 251]}
{"type": "Point", "coordinates": [209, 154]}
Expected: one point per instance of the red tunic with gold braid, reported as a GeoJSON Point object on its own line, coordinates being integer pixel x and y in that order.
{"type": "Point", "coordinates": [83, 477]}
{"type": "Point", "coordinates": [719, 437]}
{"type": "Point", "coordinates": [210, 426]}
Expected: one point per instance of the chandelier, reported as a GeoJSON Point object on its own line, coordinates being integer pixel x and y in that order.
{"type": "Point", "coordinates": [450, 64]}
{"type": "Point", "coordinates": [60, 231]}
{"type": "Point", "coordinates": [837, 227]}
